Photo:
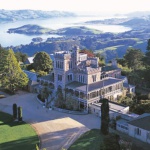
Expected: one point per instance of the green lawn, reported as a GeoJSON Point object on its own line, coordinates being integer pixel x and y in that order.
{"type": "Point", "coordinates": [15, 135]}
{"type": "Point", "coordinates": [90, 140]}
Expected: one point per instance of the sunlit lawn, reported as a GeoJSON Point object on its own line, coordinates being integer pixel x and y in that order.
{"type": "Point", "coordinates": [15, 135]}
{"type": "Point", "coordinates": [90, 140]}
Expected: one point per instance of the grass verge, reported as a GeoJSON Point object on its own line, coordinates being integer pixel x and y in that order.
{"type": "Point", "coordinates": [90, 140]}
{"type": "Point", "coordinates": [16, 135]}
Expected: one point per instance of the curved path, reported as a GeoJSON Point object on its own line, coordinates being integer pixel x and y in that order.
{"type": "Point", "coordinates": [56, 130]}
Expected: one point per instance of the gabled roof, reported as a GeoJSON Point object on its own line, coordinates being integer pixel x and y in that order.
{"type": "Point", "coordinates": [142, 121]}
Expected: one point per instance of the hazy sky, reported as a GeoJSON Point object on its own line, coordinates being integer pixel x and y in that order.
{"type": "Point", "coordinates": [117, 6]}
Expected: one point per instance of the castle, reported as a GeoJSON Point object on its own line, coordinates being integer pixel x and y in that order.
{"type": "Point", "coordinates": [81, 75]}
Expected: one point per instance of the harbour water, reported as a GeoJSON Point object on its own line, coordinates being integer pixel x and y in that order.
{"type": "Point", "coordinates": [14, 39]}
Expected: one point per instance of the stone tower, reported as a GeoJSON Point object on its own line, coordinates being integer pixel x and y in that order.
{"type": "Point", "coordinates": [76, 55]}
{"type": "Point", "coordinates": [63, 69]}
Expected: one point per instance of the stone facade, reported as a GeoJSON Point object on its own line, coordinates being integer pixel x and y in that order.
{"type": "Point", "coordinates": [81, 76]}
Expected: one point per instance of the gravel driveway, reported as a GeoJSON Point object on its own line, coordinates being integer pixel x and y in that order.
{"type": "Point", "coordinates": [56, 130]}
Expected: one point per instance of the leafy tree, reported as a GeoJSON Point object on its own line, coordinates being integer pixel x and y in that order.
{"type": "Point", "coordinates": [146, 61]}
{"type": "Point", "coordinates": [41, 73]}
{"type": "Point", "coordinates": [45, 94]}
{"type": "Point", "coordinates": [101, 59]}
{"type": "Point", "coordinates": [133, 58]}
{"type": "Point", "coordinates": [71, 103]}
{"type": "Point", "coordinates": [13, 77]}
{"type": "Point", "coordinates": [59, 102]}
{"type": "Point", "coordinates": [21, 56]}
{"type": "Point", "coordinates": [42, 61]}
{"type": "Point", "coordinates": [14, 111]}
{"type": "Point", "coordinates": [148, 45]}
{"type": "Point", "coordinates": [105, 116]}
{"type": "Point", "coordinates": [3, 55]}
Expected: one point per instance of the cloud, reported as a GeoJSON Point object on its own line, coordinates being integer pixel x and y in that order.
{"type": "Point", "coordinates": [78, 5]}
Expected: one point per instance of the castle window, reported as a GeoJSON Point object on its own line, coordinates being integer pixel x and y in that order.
{"type": "Point", "coordinates": [69, 77]}
{"type": "Point", "coordinates": [59, 77]}
{"type": "Point", "coordinates": [94, 78]}
{"type": "Point", "coordinates": [81, 78]}
{"type": "Point", "coordinates": [137, 131]}
{"type": "Point", "coordinates": [70, 64]}
{"type": "Point", "coordinates": [148, 135]}
{"type": "Point", "coordinates": [57, 64]}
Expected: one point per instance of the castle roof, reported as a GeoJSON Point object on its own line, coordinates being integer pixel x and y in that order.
{"type": "Point", "coordinates": [91, 87]}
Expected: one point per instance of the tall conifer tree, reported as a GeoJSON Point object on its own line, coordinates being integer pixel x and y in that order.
{"type": "Point", "coordinates": [105, 116]}
{"type": "Point", "coordinates": [12, 75]}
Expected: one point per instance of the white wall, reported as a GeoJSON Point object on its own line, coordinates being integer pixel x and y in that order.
{"type": "Point", "coordinates": [142, 136]}
{"type": "Point", "coordinates": [122, 128]}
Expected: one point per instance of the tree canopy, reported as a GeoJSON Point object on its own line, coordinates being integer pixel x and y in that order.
{"type": "Point", "coordinates": [133, 58]}
{"type": "Point", "coordinates": [42, 61]}
{"type": "Point", "coordinates": [12, 75]}
{"type": "Point", "coordinates": [21, 56]}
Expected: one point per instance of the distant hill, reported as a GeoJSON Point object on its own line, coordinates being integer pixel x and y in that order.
{"type": "Point", "coordinates": [136, 22]}
{"type": "Point", "coordinates": [138, 14]}
{"type": "Point", "coordinates": [81, 30]}
{"type": "Point", "coordinates": [15, 15]}
{"type": "Point", "coordinates": [122, 21]}
{"type": "Point", "coordinates": [32, 29]}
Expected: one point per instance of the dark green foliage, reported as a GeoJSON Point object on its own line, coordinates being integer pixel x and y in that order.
{"type": "Point", "coordinates": [40, 98]}
{"type": "Point", "coordinates": [14, 111]}
{"type": "Point", "coordinates": [42, 61]}
{"type": "Point", "coordinates": [105, 116]}
{"type": "Point", "coordinates": [111, 142]}
{"type": "Point", "coordinates": [21, 56]}
{"type": "Point", "coordinates": [11, 74]}
{"type": "Point", "coordinates": [148, 45]}
{"type": "Point", "coordinates": [60, 99]}
{"type": "Point", "coordinates": [143, 106]}
{"type": "Point", "coordinates": [133, 58]}
{"type": "Point", "coordinates": [19, 113]}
